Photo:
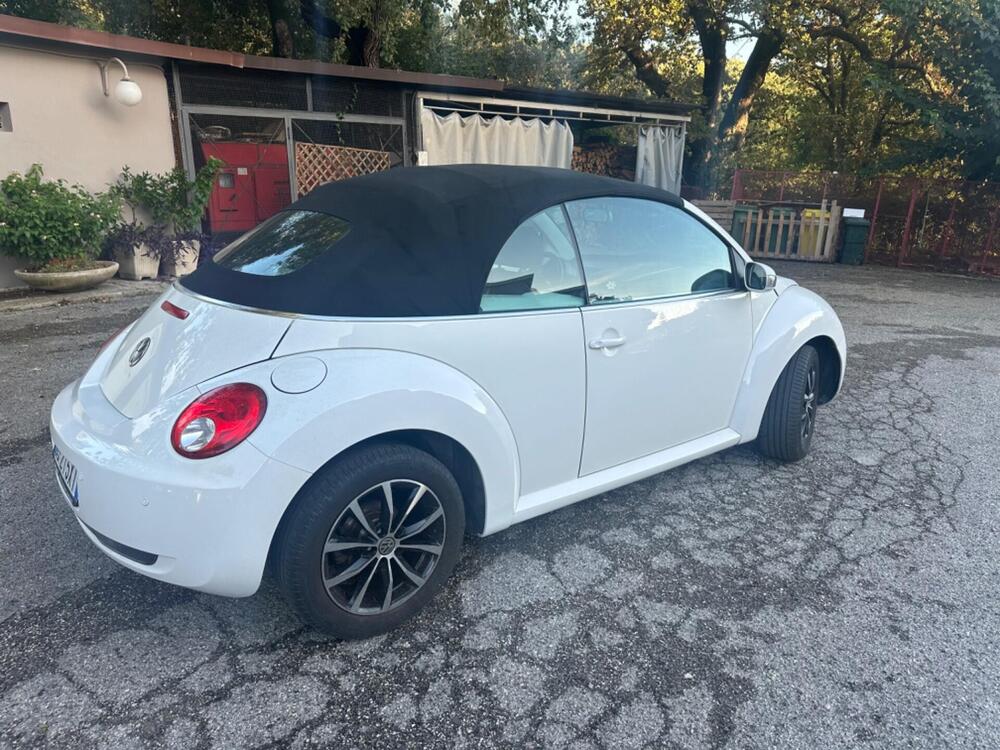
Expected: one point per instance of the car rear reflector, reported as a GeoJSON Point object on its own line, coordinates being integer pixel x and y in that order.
{"type": "Point", "coordinates": [171, 309]}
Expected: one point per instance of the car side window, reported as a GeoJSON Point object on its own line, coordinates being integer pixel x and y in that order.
{"type": "Point", "coordinates": [635, 249]}
{"type": "Point", "coordinates": [536, 269]}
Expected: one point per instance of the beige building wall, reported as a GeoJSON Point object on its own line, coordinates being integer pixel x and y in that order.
{"type": "Point", "coordinates": [61, 119]}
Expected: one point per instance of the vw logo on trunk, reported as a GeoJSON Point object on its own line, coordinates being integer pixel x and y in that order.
{"type": "Point", "coordinates": [139, 352]}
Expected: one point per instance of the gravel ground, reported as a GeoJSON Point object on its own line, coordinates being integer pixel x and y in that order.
{"type": "Point", "coordinates": [845, 601]}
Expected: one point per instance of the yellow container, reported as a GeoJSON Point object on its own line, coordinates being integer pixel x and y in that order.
{"type": "Point", "coordinates": [810, 231]}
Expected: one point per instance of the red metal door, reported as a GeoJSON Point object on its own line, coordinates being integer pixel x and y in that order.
{"type": "Point", "coordinates": [252, 185]}
{"type": "Point", "coordinates": [272, 187]}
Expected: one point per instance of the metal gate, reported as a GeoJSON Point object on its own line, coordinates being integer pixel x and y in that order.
{"type": "Point", "coordinates": [281, 135]}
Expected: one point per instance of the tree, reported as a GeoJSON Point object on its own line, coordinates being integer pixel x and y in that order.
{"type": "Point", "coordinates": [847, 85]}
{"type": "Point", "coordinates": [525, 42]}
{"type": "Point", "coordinates": [907, 85]}
{"type": "Point", "coordinates": [237, 25]}
{"type": "Point", "coordinates": [957, 94]}
{"type": "Point", "coordinates": [847, 62]}
{"type": "Point", "coordinates": [646, 33]}
{"type": "Point", "coordinates": [281, 21]}
{"type": "Point", "coordinates": [830, 102]}
{"type": "Point", "coordinates": [362, 27]}
{"type": "Point", "coordinates": [358, 32]}
{"type": "Point", "coordinates": [69, 12]}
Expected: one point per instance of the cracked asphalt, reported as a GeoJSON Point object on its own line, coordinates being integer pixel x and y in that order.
{"type": "Point", "coordinates": [849, 600]}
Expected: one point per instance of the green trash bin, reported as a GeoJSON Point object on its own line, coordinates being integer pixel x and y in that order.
{"type": "Point", "coordinates": [741, 215]}
{"type": "Point", "coordinates": [854, 237]}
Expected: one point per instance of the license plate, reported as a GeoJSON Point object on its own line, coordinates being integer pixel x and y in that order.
{"type": "Point", "coordinates": [67, 473]}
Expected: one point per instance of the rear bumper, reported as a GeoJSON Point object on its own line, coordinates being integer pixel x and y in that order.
{"type": "Point", "coordinates": [205, 525]}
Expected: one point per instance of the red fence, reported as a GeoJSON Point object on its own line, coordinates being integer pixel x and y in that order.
{"type": "Point", "coordinates": [940, 224]}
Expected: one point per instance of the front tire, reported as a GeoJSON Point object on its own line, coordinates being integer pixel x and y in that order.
{"type": "Point", "coordinates": [370, 540]}
{"type": "Point", "coordinates": [789, 421]}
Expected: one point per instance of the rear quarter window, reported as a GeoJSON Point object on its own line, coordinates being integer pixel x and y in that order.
{"type": "Point", "coordinates": [536, 269]}
{"type": "Point", "coordinates": [283, 244]}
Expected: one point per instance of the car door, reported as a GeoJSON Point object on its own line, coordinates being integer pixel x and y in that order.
{"type": "Point", "coordinates": [534, 366]}
{"type": "Point", "coordinates": [667, 328]}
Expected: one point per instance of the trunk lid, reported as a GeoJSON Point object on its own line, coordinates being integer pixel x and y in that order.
{"type": "Point", "coordinates": [163, 355]}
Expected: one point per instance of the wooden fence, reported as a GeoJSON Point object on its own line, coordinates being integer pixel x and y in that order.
{"type": "Point", "coordinates": [720, 211]}
{"type": "Point", "coordinates": [915, 222]}
{"type": "Point", "coordinates": [790, 233]}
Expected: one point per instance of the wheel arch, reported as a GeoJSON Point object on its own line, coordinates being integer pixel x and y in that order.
{"type": "Point", "coordinates": [372, 396]}
{"type": "Point", "coordinates": [830, 367]}
{"type": "Point", "coordinates": [455, 456]}
{"type": "Point", "coordinates": [798, 317]}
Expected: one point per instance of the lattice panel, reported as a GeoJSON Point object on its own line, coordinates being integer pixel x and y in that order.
{"type": "Point", "coordinates": [317, 163]}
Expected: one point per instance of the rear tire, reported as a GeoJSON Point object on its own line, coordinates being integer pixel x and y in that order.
{"type": "Point", "coordinates": [789, 421]}
{"type": "Point", "coordinates": [356, 559]}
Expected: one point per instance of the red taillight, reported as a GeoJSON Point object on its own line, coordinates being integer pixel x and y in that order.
{"type": "Point", "coordinates": [218, 420]}
{"type": "Point", "coordinates": [171, 309]}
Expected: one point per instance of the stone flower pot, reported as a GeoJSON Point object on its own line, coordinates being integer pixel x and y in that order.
{"type": "Point", "coordinates": [183, 260]}
{"type": "Point", "coordinates": [138, 263]}
{"type": "Point", "coordinates": [69, 281]}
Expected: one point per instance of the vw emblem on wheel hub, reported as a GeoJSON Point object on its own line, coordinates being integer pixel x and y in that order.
{"type": "Point", "coordinates": [139, 352]}
{"type": "Point", "coordinates": [386, 546]}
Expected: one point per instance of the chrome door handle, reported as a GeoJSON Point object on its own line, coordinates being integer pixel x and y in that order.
{"type": "Point", "coordinates": [609, 343]}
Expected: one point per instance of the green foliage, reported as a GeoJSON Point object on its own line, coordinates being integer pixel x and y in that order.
{"type": "Point", "coordinates": [957, 99]}
{"type": "Point", "coordinates": [525, 61]}
{"type": "Point", "coordinates": [853, 86]}
{"type": "Point", "coordinates": [418, 41]}
{"type": "Point", "coordinates": [830, 102]}
{"type": "Point", "coordinates": [526, 42]}
{"type": "Point", "coordinates": [47, 220]}
{"type": "Point", "coordinates": [844, 118]}
{"type": "Point", "coordinates": [70, 12]}
{"type": "Point", "coordinates": [174, 203]}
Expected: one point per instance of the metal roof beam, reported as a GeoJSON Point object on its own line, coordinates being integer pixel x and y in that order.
{"type": "Point", "coordinates": [585, 113]}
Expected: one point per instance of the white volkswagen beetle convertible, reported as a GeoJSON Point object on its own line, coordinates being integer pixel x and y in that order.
{"type": "Point", "coordinates": [403, 357]}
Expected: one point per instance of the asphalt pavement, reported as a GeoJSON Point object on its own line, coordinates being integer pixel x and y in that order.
{"type": "Point", "coordinates": [849, 600]}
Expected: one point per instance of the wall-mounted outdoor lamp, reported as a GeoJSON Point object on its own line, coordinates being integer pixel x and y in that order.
{"type": "Point", "coordinates": [127, 91]}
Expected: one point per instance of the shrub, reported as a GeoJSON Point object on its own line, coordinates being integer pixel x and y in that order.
{"type": "Point", "coordinates": [175, 203]}
{"type": "Point", "coordinates": [48, 220]}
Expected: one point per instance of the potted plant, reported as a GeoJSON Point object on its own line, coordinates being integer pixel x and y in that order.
{"type": "Point", "coordinates": [58, 229]}
{"type": "Point", "coordinates": [174, 205]}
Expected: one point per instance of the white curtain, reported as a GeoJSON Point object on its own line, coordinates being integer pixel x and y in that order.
{"type": "Point", "coordinates": [660, 156]}
{"type": "Point", "coordinates": [472, 139]}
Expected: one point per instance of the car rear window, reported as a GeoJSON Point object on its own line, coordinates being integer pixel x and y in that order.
{"type": "Point", "coordinates": [283, 244]}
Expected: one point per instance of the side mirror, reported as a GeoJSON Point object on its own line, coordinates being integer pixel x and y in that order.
{"type": "Point", "coordinates": [759, 277]}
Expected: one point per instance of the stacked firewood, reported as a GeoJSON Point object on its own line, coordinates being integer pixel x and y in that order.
{"type": "Point", "coordinates": [605, 159]}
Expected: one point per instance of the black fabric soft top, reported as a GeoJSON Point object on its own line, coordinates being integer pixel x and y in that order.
{"type": "Point", "coordinates": [421, 243]}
